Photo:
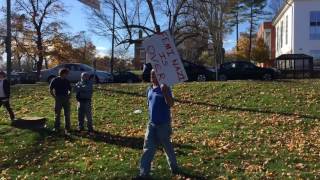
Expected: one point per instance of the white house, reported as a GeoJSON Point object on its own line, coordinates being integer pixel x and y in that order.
{"type": "Point", "coordinates": [297, 28]}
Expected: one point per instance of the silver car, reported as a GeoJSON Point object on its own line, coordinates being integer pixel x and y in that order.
{"type": "Point", "coordinates": [75, 71]}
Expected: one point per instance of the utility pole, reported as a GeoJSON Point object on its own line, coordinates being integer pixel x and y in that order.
{"type": "Point", "coordinates": [112, 50]}
{"type": "Point", "coordinates": [8, 40]}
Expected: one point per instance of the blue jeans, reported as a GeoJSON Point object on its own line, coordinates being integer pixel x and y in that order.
{"type": "Point", "coordinates": [84, 110]}
{"type": "Point", "coordinates": [156, 135]}
{"type": "Point", "coordinates": [62, 102]}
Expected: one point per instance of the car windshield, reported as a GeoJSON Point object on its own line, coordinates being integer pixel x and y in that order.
{"type": "Point", "coordinates": [87, 67]}
{"type": "Point", "coordinates": [248, 66]}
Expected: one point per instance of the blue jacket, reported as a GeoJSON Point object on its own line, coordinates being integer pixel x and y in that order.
{"type": "Point", "coordinates": [84, 90]}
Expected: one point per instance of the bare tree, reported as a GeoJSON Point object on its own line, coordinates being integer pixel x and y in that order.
{"type": "Point", "coordinates": [2, 37]}
{"type": "Point", "coordinates": [38, 13]}
{"type": "Point", "coordinates": [213, 14]}
{"type": "Point", "coordinates": [133, 16]}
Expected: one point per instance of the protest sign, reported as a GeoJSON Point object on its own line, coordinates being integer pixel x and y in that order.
{"type": "Point", "coordinates": [162, 53]}
{"type": "Point", "coordinates": [92, 3]}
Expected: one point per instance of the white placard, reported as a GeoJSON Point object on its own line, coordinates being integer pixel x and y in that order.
{"type": "Point", "coordinates": [162, 53]}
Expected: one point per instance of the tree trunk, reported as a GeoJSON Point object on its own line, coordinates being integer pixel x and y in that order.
{"type": "Point", "coordinates": [237, 30]}
{"type": "Point", "coordinates": [151, 9]}
{"type": "Point", "coordinates": [40, 53]}
{"type": "Point", "coordinates": [19, 63]}
{"type": "Point", "coordinates": [46, 63]}
{"type": "Point", "coordinates": [250, 34]}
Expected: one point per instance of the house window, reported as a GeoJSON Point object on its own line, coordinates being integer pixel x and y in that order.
{"type": "Point", "coordinates": [315, 25]}
{"type": "Point", "coordinates": [278, 39]}
{"type": "Point", "coordinates": [287, 27]}
{"type": "Point", "coordinates": [281, 36]}
{"type": "Point", "coordinates": [316, 57]}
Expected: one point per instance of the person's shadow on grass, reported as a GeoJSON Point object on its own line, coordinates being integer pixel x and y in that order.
{"type": "Point", "coordinates": [137, 143]}
{"type": "Point", "coordinates": [123, 141]}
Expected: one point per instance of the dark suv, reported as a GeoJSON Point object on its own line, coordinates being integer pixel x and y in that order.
{"type": "Point", "coordinates": [194, 71]}
{"type": "Point", "coordinates": [244, 70]}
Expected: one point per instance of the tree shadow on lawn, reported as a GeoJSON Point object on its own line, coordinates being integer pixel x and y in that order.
{"type": "Point", "coordinates": [126, 141]}
{"type": "Point", "coordinates": [254, 110]}
{"type": "Point", "coordinates": [34, 153]}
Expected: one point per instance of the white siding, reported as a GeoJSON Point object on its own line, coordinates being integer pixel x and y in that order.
{"type": "Point", "coordinates": [302, 26]}
{"type": "Point", "coordinates": [286, 47]}
{"type": "Point", "coordinates": [298, 29]}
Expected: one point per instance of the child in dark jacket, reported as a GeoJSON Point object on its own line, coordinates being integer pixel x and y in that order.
{"type": "Point", "coordinates": [84, 91]}
{"type": "Point", "coordinates": [5, 94]}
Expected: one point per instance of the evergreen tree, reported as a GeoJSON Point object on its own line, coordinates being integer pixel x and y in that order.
{"type": "Point", "coordinates": [236, 14]}
{"type": "Point", "coordinates": [256, 12]}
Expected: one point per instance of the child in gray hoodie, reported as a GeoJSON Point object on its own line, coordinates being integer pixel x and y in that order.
{"type": "Point", "coordinates": [84, 91]}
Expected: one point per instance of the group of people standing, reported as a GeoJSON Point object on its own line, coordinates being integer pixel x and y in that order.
{"type": "Point", "coordinates": [159, 98]}
{"type": "Point", "coordinates": [60, 89]}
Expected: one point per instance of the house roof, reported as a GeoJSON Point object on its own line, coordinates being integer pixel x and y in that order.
{"type": "Point", "coordinates": [293, 56]}
{"type": "Point", "coordinates": [286, 4]}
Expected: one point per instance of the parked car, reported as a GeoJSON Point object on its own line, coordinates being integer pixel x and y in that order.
{"type": "Point", "coordinates": [14, 78]}
{"type": "Point", "coordinates": [125, 77]}
{"type": "Point", "coordinates": [244, 70]}
{"type": "Point", "coordinates": [27, 77]}
{"type": "Point", "coordinates": [194, 72]}
{"type": "Point", "coordinates": [75, 71]}
{"type": "Point", "coordinates": [22, 78]}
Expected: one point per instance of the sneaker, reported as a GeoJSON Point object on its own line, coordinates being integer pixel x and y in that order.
{"type": "Point", "coordinates": [56, 130]}
{"type": "Point", "coordinates": [80, 129]}
{"type": "Point", "coordinates": [142, 178]}
{"type": "Point", "coordinates": [176, 171]}
{"type": "Point", "coordinates": [91, 132]}
{"type": "Point", "coordinates": [67, 132]}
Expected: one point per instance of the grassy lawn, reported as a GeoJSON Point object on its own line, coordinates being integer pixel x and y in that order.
{"type": "Point", "coordinates": [224, 130]}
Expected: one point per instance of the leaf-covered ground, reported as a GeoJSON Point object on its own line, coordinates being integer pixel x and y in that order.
{"type": "Point", "coordinates": [236, 129]}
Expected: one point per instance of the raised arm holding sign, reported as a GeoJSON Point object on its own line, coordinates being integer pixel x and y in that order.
{"type": "Point", "coordinates": [164, 58]}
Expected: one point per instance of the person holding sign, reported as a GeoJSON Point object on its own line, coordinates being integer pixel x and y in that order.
{"type": "Point", "coordinates": [159, 129]}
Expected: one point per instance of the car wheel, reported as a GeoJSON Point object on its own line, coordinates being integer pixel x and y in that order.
{"type": "Point", "coordinates": [222, 77]}
{"type": "Point", "coordinates": [96, 80]}
{"type": "Point", "coordinates": [201, 78]}
{"type": "Point", "coordinates": [50, 78]}
{"type": "Point", "coordinates": [267, 77]}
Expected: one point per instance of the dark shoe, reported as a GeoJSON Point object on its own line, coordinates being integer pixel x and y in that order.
{"type": "Point", "coordinates": [67, 132]}
{"type": "Point", "coordinates": [176, 171]}
{"type": "Point", "coordinates": [91, 132]}
{"type": "Point", "coordinates": [80, 129]}
{"type": "Point", "coordinates": [13, 122]}
{"type": "Point", "coordinates": [56, 130]}
{"type": "Point", "coordinates": [142, 178]}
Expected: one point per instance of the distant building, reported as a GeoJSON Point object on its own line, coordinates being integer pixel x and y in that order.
{"type": "Point", "coordinates": [139, 53]}
{"type": "Point", "coordinates": [267, 33]}
{"type": "Point", "coordinates": [297, 27]}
